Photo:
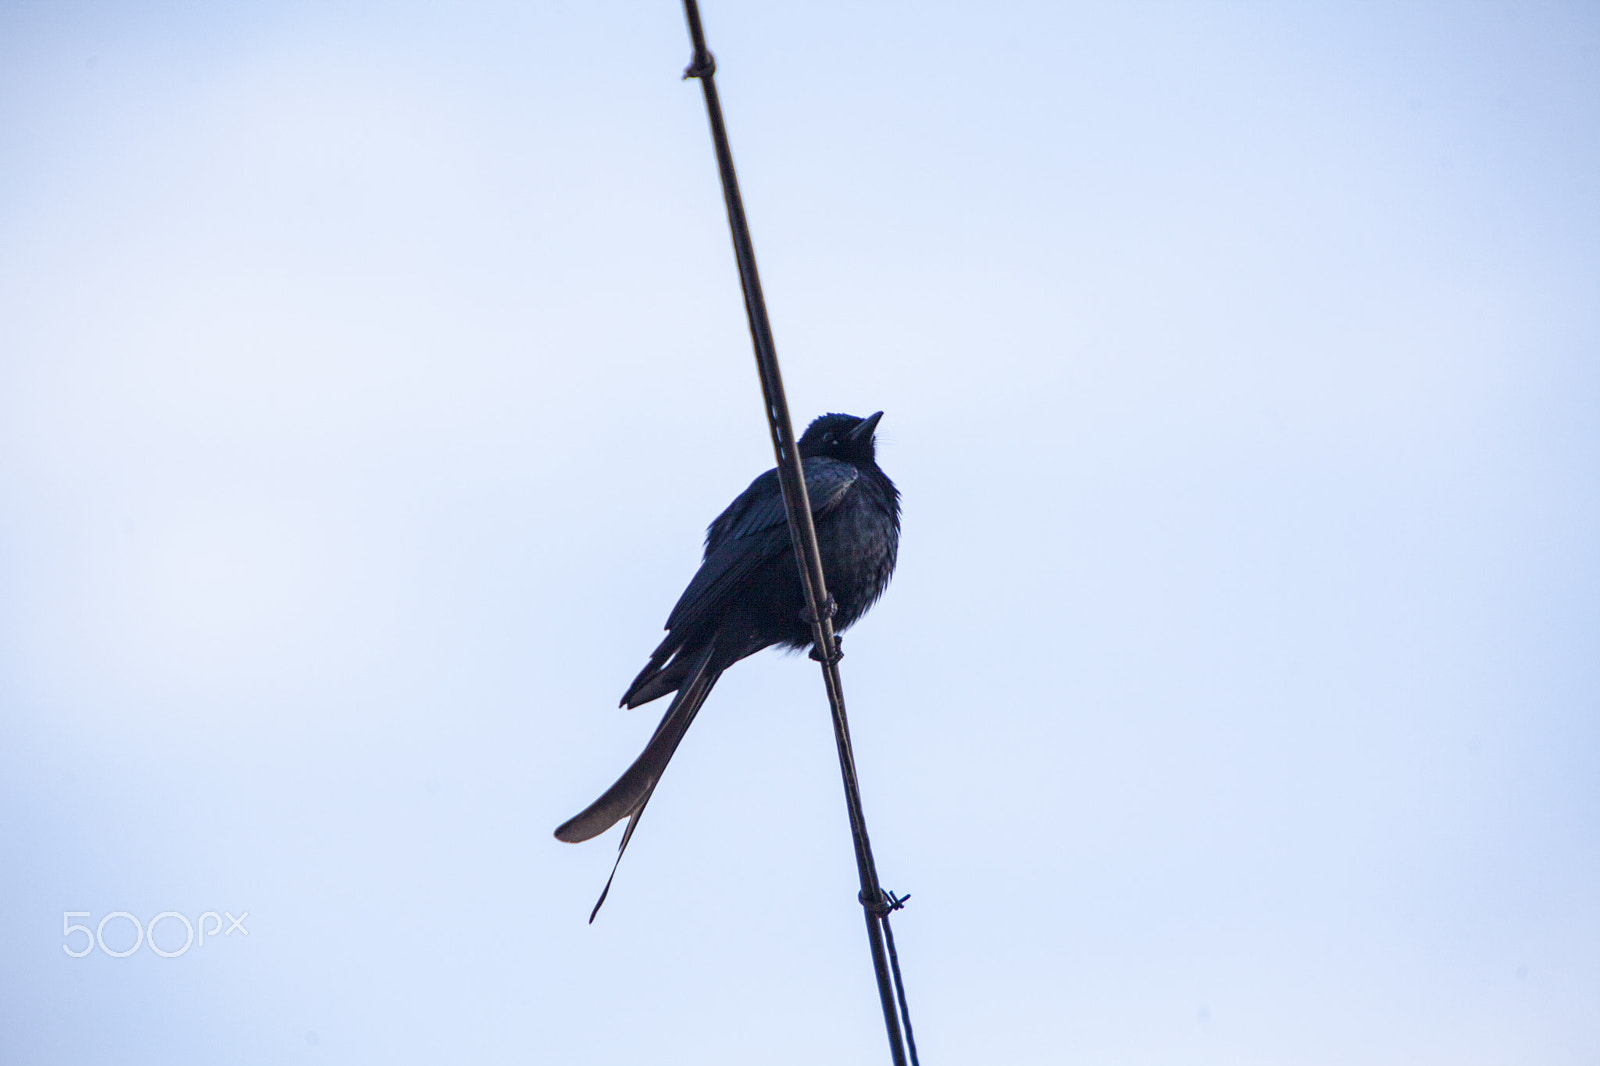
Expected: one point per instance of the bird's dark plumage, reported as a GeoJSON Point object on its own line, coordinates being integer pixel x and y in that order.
{"type": "Point", "coordinates": [747, 596]}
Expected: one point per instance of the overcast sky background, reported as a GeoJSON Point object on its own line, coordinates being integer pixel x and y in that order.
{"type": "Point", "coordinates": [369, 372]}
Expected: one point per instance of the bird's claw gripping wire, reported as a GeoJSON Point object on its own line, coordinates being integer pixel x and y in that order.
{"type": "Point", "coordinates": [703, 66]}
{"type": "Point", "coordinates": [889, 902]}
{"type": "Point", "coordinates": [838, 652]}
{"type": "Point", "coordinates": [830, 610]}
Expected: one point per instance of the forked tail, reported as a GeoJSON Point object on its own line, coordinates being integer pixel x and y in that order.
{"type": "Point", "coordinates": [627, 798]}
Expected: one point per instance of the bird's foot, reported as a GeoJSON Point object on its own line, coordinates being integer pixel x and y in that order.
{"type": "Point", "coordinates": [829, 609]}
{"type": "Point", "coordinates": [838, 652]}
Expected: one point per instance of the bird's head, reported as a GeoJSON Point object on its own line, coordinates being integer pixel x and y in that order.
{"type": "Point", "coordinates": [840, 437]}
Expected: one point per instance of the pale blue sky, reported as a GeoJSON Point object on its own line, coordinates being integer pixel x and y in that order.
{"type": "Point", "coordinates": [368, 374]}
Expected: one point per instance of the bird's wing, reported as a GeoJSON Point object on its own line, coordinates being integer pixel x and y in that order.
{"type": "Point", "coordinates": [753, 530]}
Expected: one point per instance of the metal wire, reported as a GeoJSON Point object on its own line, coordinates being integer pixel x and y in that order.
{"type": "Point", "coordinates": [797, 505]}
{"type": "Point", "coordinates": [894, 904]}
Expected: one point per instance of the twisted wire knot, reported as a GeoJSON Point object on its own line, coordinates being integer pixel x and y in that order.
{"type": "Point", "coordinates": [885, 905]}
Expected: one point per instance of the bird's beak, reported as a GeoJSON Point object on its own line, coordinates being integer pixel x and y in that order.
{"type": "Point", "coordinates": [864, 428]}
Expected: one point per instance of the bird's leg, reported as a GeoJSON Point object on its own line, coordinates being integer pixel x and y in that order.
{"type": "Point", "coordinates": [830, 609]}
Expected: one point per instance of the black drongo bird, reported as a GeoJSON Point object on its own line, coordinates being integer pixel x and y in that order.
{"type": "Point", "coordinates": [747, 596]}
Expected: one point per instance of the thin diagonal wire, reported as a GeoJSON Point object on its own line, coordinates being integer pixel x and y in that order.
{"type": "Point", "coordinates": [797, 506]}
{"type": "Point", "coordinates": [899, 986]}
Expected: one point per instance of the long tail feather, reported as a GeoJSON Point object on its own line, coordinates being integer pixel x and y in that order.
{"type": "Point", "coordinates": [627, 835]}
{"type": "Point", "coordinates": [628, 796]}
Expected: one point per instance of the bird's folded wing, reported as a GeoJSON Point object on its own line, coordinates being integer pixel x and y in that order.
{"type": "Point", "coordinates": [760, 507]}
{"type": "Point", "coordinates": [752, 531]}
